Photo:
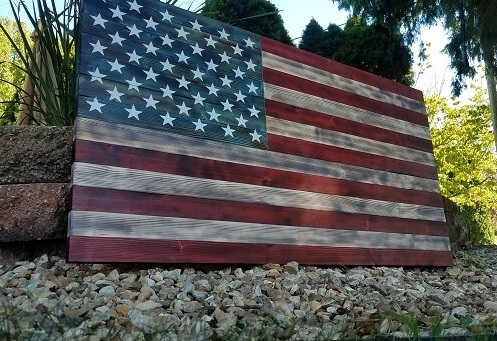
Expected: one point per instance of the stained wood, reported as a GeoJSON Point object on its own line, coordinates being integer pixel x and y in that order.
{"type": "Point", "coordinates": [332, 138]}
{"type": "Point", "coordinates": [117, 250]}
{"type": "Point", "coordinates": [317, 151]}
{"type": "Point", "coordinates": [280, 49]}
{"type": "Point", "coordinates": [100, 131]}
{"type": "Point", "coordinates": [105, 225]}
{"type": "Point", "coordinates": [163, 205]}
{"type": "Point", "coordinates": [288, 69]}
{"type": "Point", "coordinates": [153, 182]}
{"type": "Point", "coordinates": [127, 157]}
{"type": "Point", "coordinates": [300, 115]}
{"type": "Point", "coordinates": [325, 106]}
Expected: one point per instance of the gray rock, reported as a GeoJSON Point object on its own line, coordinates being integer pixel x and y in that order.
{"type": "Point", "coordinates": [147, 305]}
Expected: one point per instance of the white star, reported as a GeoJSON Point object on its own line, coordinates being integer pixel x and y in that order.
{"type": "Point", "coordinates": [197, 49]}
{"type": "Point", "coordinates": [240, 96]}
{"type": "Point", "coordinates": [238, 73]}
{"type": "Point", "coordinates": [241, 121]}
{"type": "Point", "coordinates": [213, 115]}
{"type": "Point", "coordinates": [133, 84]}
{"type": "Point", "coordinates": [212, 89]}
{"type": "Point", "coordinates": [166, 92]}
{"type": "Point", "coordinates": [250, 65]}
{"type": "Point", "coordinates": [199, 99]}
{"type": "Point", "coordinates": [211, 65]}
{"type": "Point", "coordinates": [225, 57]}
{"type": "Point", "coordinates": [151, 48]}
{"type": "Point", "coordinates": [227, 105]}
{"type": "Point", "coordinates": [210, 41]}
{"type": "Point", "coordinates": [151, 74]}
{"type": "Point", "coordinates": [167, 119]}
{"type": "Point", "coordinates": [97, 47]}
{"type": "Point", "coordinates": [134, 31]}
{"type": "Point", "coordinates": [167, 66]}
{"type": "Point", "coordinates": [254, 111]}
{"type": "Point", "coordinates": [183, 83]}
{"type": "Point", "coordinates": [166, 40]}
{"type": "Point", "coordinates": [199, 125]}
{"type": "Point", "coordinates": [133, 57]}
{"type": "Point", "coordinates": [182, 33]}
{"type": "Point", "coordinates": [256, 136]}
{"type": "Point", "coordinates": [94, 105]}
{"type": "Point", "coordinates": [183, 109]}
{"type": "Point", "coordinates": [182, 57]}
{"type": "Point", "coordinates": [151, 23]}
{"type": "Point", "coordinates": [98, 20]}
{"type": "Point", "coordinates": [198, 74]}
{"type": "Point", "coordinates": [151, 102]}
{"type": "Point", "coordinates": [132, 112]}
{"type": "Point", "coordinates": [248, 42]}
{"type": "Point", "coordinates": [114, 94]}
{"type": "Point", "coordinates": [115, 66]}
{"type": "Point", "coordinates": [226, 81]}
{"type": "Point", "coordinates": [134, 6]}
{"type": "Point", "coordinates": [237, 50]}
{"type": "Point", "coordinates": [116, 13]}
{"type": "Point", "coordinates": [223, 34]}
{"type": "Point", "coordinates": [196, 25]}
{"type": "Point", "coordinates": [96, 76]}
{"type": "Point", "coordinates": [166, 16]}
{"type": "Point", "coordinates": [252, 88]}
{"type": "Point", "coordinates": [228, 131]}
{"type": "Point", "coordinates": [116, 39]}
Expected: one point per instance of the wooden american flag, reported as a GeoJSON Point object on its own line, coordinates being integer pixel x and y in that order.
{"type": "Point", "coordinates": [198, 142]}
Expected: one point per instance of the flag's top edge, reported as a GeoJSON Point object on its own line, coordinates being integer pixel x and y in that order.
{"type": "Point", "coordinates": [311, 59]}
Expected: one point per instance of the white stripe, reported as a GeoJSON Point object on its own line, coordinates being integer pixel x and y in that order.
{"type": "Point", "coordinates": [101, 225]}
{"type": "Point", "coordinates": [99, 131]}
{"type": "Point", "coordinates": [85, 174]}
{"type": "Point", "coordinates": [325, 106]}
{"type": "Point", "coordinates": [313, 74]}
{"type": "Point", "coordinates": [333, 138]}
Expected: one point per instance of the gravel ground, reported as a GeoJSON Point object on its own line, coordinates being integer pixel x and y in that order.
{"type": "Point", "coordinates": [47, 298]}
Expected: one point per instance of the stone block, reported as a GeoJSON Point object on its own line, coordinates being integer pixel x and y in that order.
{"type": "Point", "coordinates": [34, 154]}
{"type": "Point", "coordinates": [33, 211]}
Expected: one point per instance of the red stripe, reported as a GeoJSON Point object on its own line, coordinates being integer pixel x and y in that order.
{"type": "Point", "coordinates": [315, 150]}
{"type": "Point", "coordinates": [130, 250]}
{"type": "Point", "coordinates": [342, 96]}
{"type": "Point", "coordinates": [125, 202]}
{"type": "Point", "coordinates": [128, 157]}
{"type": "Point", "coordinates": [320, 120]}
{"type": "Point", "coordinates": [332, 66]}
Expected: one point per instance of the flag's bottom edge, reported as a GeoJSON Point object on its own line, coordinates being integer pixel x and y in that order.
{"type": "Point", "coordinates": [82, 249]}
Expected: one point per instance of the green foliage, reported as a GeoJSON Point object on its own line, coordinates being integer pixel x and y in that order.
{"type": "Point", "coordinates": [13, 77]}
{"type": "Point", "coordinates": [463, 148]}
{"type": "Point", "coordinates": [482, 231]}
{"type": "Point", "coordinates": [258, 16]}
{"type": "Point", "coordinates": [53, 74]}
{"type": "Point", "coordinates": [373, 48]}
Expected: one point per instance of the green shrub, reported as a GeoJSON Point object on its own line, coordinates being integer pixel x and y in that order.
{"type": "Point", "coordinates": [479, 223]}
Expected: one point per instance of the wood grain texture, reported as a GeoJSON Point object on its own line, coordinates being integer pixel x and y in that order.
{"type": "Point", "coordinates": [310, 133]}
{"type": "Point", "coordinates": [300, 115]}
{"type": "Point", "coordinates": [289, 69]}
{"type": "Point", "coordinates": [163, 205]}
{"type": "Point", "coordinates": [325, 106]}
{"type": "Point", "coordinates": [105, 225]}
{"type": "Point", "coordinates": [318, 151]}
{"type": "Point", "coordinates": [123, 135]}
{"type": "Point", "coordinates": [119, 250]}
{"type": "Point", "coordinates": [128, 157]}
{"type": "Point", "coordinates": [153, 182]}
{"type": "Point", "coordinates": [301, 56]}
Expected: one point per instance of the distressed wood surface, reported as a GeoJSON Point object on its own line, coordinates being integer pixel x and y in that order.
{"type": "Point", "coordinates": [177, 144]}
{"type": "Point", "coordinates": [139, 203]}
{"type": "Point", "coordinates": [89, 249]}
